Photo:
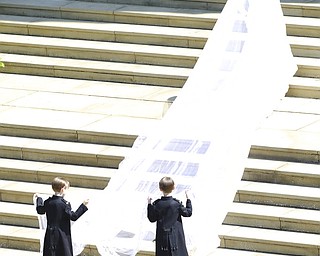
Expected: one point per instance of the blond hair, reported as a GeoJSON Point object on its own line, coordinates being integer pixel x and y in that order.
{"type": "Point", "coordinates": [58, 183]}
{"type": "Point", "coordinates": [166, 185]}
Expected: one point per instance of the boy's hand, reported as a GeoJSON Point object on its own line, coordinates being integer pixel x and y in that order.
{"type": "Point", "coordinates": [86, 202]}
{"type": "Point", "coordinates": [149, 200]}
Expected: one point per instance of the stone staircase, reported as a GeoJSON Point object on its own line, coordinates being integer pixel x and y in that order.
{"type": "Point", "coordinates": [83, 79]}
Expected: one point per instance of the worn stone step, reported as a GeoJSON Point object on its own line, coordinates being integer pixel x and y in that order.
{"type": "Point", "coordinates": [61, 125]}
{"type": "Point", "coordinates": [308, 67]}
{"type": "Point", "coordinates": [16, 252]}
{"type": "Point", "coordinates": [263, 216]}
{"type": "Point", "coordinates": [104, 31]}
{"type": "Point", "coordinates": [87, 87]}
{"type": "Point", "coordinates": [215, 5]}
{"type": "Point", "coordinates": [299, 105]}
{"type": "Point", "coordinates": [304, 87]}
{"type": "Point", "coordinates": [16, 238]}
{"type": "Point", "coordinates": [278, 195]}
{"type": "Point", "coordinates": [234, 252]}
{"type": "Point", "coordinates": [289, 8]}
{"type": "Point", "coordinates": [27, 239]}
{"type": "Point", "coordinates": [80, 110]}
{"type": "Point", "coordinates": [290, 133]}
{"type": "Point", "coordinates": [107, 125]}
{"type": "Point", "coordinates": [19, 238]}
{"type": "Point", "coordinates": [284, 145]}
{"type": "Point", "coordinates": [269, 240]}
{"type": "Point", "coordinates": [291, 114]}
{"type": "Point", "coordinates": [298, 26]}
{"type": "Point", "coordinates": [22, 192]}
{"type": "Point", "coordinates": [18, 214]}
{"type": "Point", "coordinates": [62, 152]}
{"type": "Point", "coordinates": [95, 70]}
{"type": "Point", "coordinates": [274, 217]}
{"type": "Point", "coordinates": [112, 12]}
{"type": "Point", "coordinates": [146, 15]}
{"type": "Point", "coordinates": [118, 72]}
{"type": "Point", "coordinates": [310, 8]}
{"type": "Point", "coordinates": [97, 106]}
{"type": "Point", "coordinates": [282, 172]}
{"type": "Point", "coordinates": [305, 46]}
{"type": "Point", "coordinates": [94, 50]}
{"type": "Point", "coordinates": [129, 53]}
{"type": "Point", "coordinates": [42, 172]}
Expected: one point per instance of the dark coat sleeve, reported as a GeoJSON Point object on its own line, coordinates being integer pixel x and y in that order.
{"type": "Point", "coordinates": [40, 206]}
{"type": "Point", "coordinates": [152, 212]}
{"type": "Point", "coordinates": [186, 211]}
{"type": "Point", "coordinates": [77, 214]}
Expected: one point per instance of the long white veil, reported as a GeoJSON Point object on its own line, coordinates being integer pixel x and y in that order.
{"type": "Point", "coordinates": [204, 139]}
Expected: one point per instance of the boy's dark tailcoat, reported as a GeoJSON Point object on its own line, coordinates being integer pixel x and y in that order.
{"type": "Point", "coordinates": [167, 212]}
{"type": "Point", "coordinates": [57, 239]}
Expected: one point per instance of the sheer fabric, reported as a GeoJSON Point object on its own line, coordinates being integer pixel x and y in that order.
{"type": "Point", "coordinates": [204, 138]}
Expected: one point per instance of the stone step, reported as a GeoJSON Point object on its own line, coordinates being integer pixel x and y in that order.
{"type": "Point", "coordinates": [104, 31]}
{"type": "Point", "coordinates": [20, 238]}
{"type": "Point", "coordinates": [298, 26]}
{"type": "Point", "coordinates": [41, 172]}
{"type": "Point", "coordinates": [300, 87]}
{"type": "Point", "coordinates": [234, 252]}
{"type": "Point", "coordinates": [61, 125]}
{"type": "Point", "coordinates": [18, 214]}
{"type": "Point", "coordinates": [22, 192]}
{"type": "Point", "coordinates": [281, 172]}
{"type": "Point", "coordinates": [118, 72]}
{"type": "Point", "coordinates": [266, 242]}
{"type": "Point", "coordinates": [305, 46]}
{"type": "Point", "coordinates": [304, 87]}
{"type": "Point", "coordinates": [15, 252]}
{"type": "Point", "coordinates": [112, 12]}
{"type": "Point", "coordinates": [98, 106]}
{"type": "Point", "coordinates": [216, 5]}
{"type": "Point", "coordinates": [14, 239]}
{"type": "Point", "coordinates": [274, 217]}
{"type": "Point", "coordinates": [242, 214]}
{"type": "Point", "coordinates": [308, 67]}
{"type": "Point", "coordinates": [86, 87]}
{"type": "Point", "coordinates": [132, 33]}
{"type": "Point", "coordinates": [299, 9]}
{"type": "Point", "coordinates": [93, 111]}
{"type": "Point", "coordinates": [269, 241]}
{"type": "Point", "coordinates": [284, 145]}
{"type": "Point", "coordinates": [278, 195]}
{"type": "Point", "coordinates": [148, 15]}
{"type": "Point", "coordinates": [124, 52]}
{"type": "Point", "coordinates": [103, 51]}
{"type": "Point", "coordinates": [95, 70]}
{"type": "Point", "coordinates": [110, 125]}
{"type": "Point", "coordinates": [62, 152]}
{"type": "Point", "coordinates": [297, 105]}
{"type": "Point", "coordinates": [286, 218]}
{"type": "Point", "coordinates": [94, 130]}
{"type": "Point", "coordinates": [108, 6]}
{"type": "Point", "coordinates": [17, 238]}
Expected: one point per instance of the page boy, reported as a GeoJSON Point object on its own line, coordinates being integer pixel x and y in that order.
{"type": "Point", "coordinates": [167, 212]}
{"type": "Point", "coordinates": [57, 239]}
